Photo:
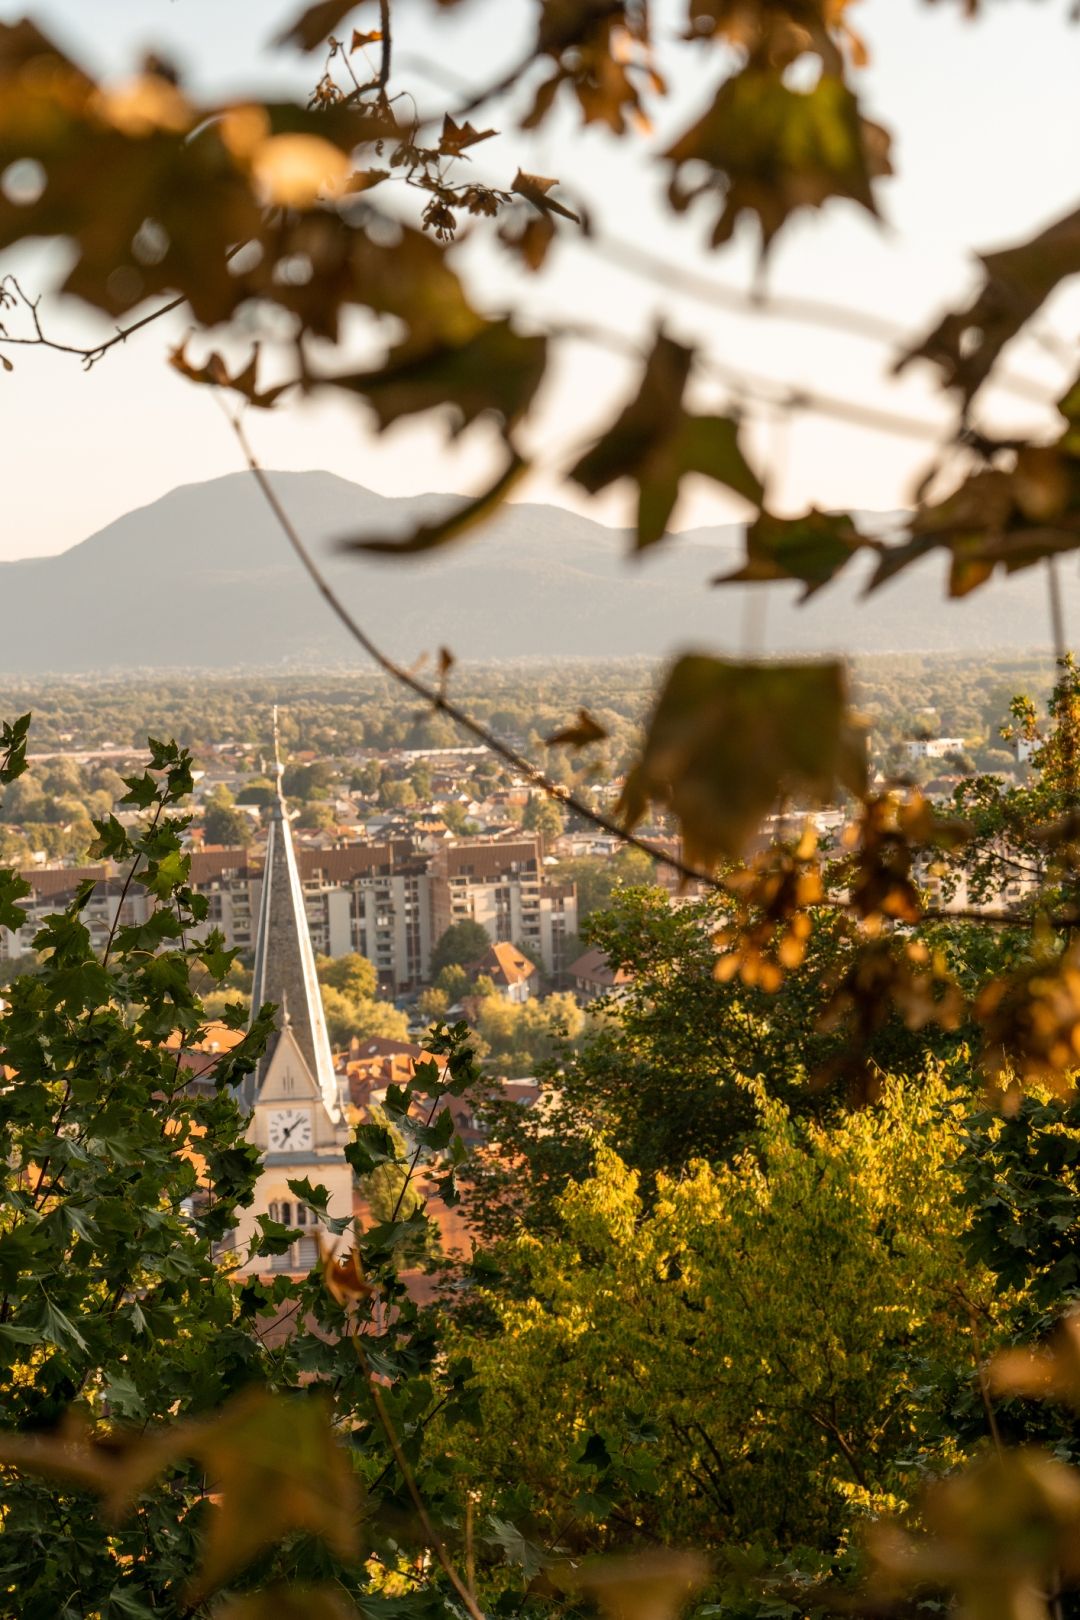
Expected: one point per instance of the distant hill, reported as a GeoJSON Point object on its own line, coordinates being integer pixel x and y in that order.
{"type": "Point", "coordinates": [203, 577]}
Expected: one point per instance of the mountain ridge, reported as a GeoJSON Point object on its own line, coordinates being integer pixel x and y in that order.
{"type": "Point", "coordinates": [203, 577]}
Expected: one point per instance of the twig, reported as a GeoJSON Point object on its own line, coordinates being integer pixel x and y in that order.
{"type": "Point", "coordinates": [439, 701]}
{"type": "Point", "coordinates": [88, 356]}
{"type": "Point", "coordinates": [980, 1372]}
{"type": "Point", "coordinates": [431, 1535]}
{"type": "Point", "coordinates": [387, 43]}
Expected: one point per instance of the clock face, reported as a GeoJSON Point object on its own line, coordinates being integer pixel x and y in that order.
{"type": "Point", "coordinates": [289, 1130]}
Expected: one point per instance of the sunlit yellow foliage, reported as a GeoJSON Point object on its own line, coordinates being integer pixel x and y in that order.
{"type": "Point", "coordinates": [768, 1317]}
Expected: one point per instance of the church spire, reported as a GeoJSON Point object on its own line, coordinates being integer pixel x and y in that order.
{"type": "Point", "coordinates": [284, 959]}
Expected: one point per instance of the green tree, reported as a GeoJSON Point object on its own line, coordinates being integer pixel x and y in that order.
{"type": "Point", "coordinates": [360, 1016]}
{"type": "Point", "coordinates": [543, 816]}
{"type": "Point", "coordinates": [453, 980]}
{"type": "Point", "coordinates": [118, 1182]}
{"type": "Point", "coordinates": [312, 781]}
{"type": "Point", "coordinates": [352, 974]}
{"type": "Point", "coordinates": [734, 1315]}
{"type": "Point", "coordinates": [398, 795]}
{"type": "Point", "coordinates": [258, 790]}
{"type": "Point", "coordinates": [462, 942]}
{"type": "Point", "coordinates": [224, 824]}
{"type": "Point", "coordinates": [317, 817]}
{"type": "Point", "coordinates": [659, 1069]}
{"type": "Point", "coordinates": [433, 1004]}
{"type": "Point", "coordinates": [420, 777]}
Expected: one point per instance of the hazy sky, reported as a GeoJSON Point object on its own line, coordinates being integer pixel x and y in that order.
{"type": "Point", "coordinates": [986, 124]}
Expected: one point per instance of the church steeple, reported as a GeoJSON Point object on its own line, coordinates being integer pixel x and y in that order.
{"type": "Point", "coordinates": [284, 959]}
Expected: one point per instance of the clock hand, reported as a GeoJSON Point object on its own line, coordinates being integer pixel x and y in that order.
{"type": "Point", "coordinates": [289, 1130]}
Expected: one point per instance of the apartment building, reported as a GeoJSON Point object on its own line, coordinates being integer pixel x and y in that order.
{"type": "Point", "coordinates": [502, 885]}
{"type": "Point", "coordinates": [371, 898]}
{"type": "Point", "coordinates": [54, 888]}
{"type": "Point", "coordinates": [389, 901]}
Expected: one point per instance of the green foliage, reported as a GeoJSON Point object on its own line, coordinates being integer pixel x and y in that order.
{"type": "Point", "coordinates": [352, 974]}
{"type": "Point", "coordinates": [348, 1015]}
{"type": "Point", "coordinates": [657, 1071]}
{"type": "Point", "coordinates": [224, 824]}
{"type": "Point", "coordinates": [462, 942]}
{"type": "Point", "coordinates": [119, 1310]}
{"type": "Point", "coordinates": [543, 815]}
{"type": "Point", "coordinates": [521, 1035]}
{"type": "Point", "coordinates": [121, 1181]}
{"type": "Point", "coordinates": [770, 1312]}
{"type": "Point", "coordinates": [452, 980]}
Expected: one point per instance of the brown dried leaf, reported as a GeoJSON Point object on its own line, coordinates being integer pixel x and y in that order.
{"type": "Point", "coordinates": [601, 52]}
{"type": "Point", "coordinates": [342, 1275]}
{"type": "Point", "coordinates": [773, 150]}
{"type": "Point", "coordinates": [997, 518]}
{"type": "Point", "coordinates": [290, 1602]}
{"type": "Point", "coordinates": [583, 731]}
{"type": "Point", "coordinates": [1051, 1372]}
{"type": "Point", "coordinates": [535, 189]}
{"type": "Point", "coordinates": [428, 536]}
{"type": "Point", "coordinates": [315, 23]}
{"type": "Point", "coordinates": [494, 369]}
{"type": "Point", "coordinates": [812, 548]}
{"type": "Point", "coordinates": [456, 137]}
{"type": "Point", "coordinates": [1017, 282]}
{"type": "Point", "coordinates": [726, 739]}
{"type": "Point", "coordinates": [215, 372]}
{"type": "Point", "coordinates": [656, 442]}
{"type": "Point", "coordinates": [274, 1467]}
{"type": "Point", "coordinates": [1000, 1534]}
{"type": "Point", "coordinates": [1031, 1025]}
{"type": "Point", "coordinates": [653, 1585]}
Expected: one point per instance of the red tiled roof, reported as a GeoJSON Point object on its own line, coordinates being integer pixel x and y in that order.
{"type": "Point", "coordinates": [594, 967]}
{"type": "Point", "coordinates": [503, 963]}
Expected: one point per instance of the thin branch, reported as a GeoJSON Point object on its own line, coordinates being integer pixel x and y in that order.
{"type": "Point", "coordinates": [438, 700]}
{"type": "Point", "coordinates": [88, 356]}
{"type": "Point", "coordinates": [387, 43]}
{"type": "Point", "coordinates": [431, 1535]}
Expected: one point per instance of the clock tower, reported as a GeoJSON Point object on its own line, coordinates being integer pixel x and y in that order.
{"type": "Point", "coordinates": [297, 1120]}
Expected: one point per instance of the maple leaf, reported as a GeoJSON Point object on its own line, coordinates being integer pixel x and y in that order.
{"type": "Point", "coordinates": [274, 1467]}
{"type": "Point", "coordinates": [600, 48]}
{"type": "Point", "coordinates": [428, 536]}
{"type": "Point", "coordinates": [456, 137]}
{"type": "Point", "coordinates": [530, 239]}
{"type": "Point", "coordinates": [656, 442]}
{"type": "Point", "coordinates": [312, 26]}
{"type": "Point", "coordinates": [812, 548]}
{"type": "Point", "coordinates": [777, 31]}
{"type": "Point", "coordinates": [1031, 1025]}
{"type": "Point", "coordinates": [1000, 1533]}
{"type": "Point", "coordinates": [494, 369]}
{"type": "Point", "coordinates": [1017, 282]}
{"type": "Point", "coordinates": [535, 189]}
{"type": "Point", "coordinates": [215, 372]}
{"type": "Point", "coordinates": [584, 730]}
{"type": "Point", "coordinates": [1008, 518]}
{"type": "Point", "coordinates": [292, 1602]}
{"type": "Point", "coordinates": [343, 1275]}
{"type": "Point", "coordinates": [1050, 1372]}
{"type": "Point", "coordinates": [886, 976]}
{"type": "Point", "coordinates": [653, 1585]}
{"type": "Point", "coordinates": [726, 739]}
{"type": "Point", "coordinates": [773, 150]}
